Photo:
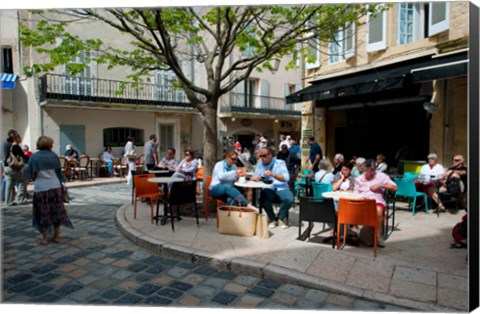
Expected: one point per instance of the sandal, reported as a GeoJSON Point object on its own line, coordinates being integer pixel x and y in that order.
{"type": "Point", "coordinates": [56, 240]}
{"type": "Point", "coordinates": [458, 246]}
{"type": "Point", "coordinates": [43, 241]}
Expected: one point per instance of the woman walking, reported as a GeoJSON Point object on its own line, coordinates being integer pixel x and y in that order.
{"type": "Point", "coordinates": [48, 208]}
{"type": "Point", "coordinates": [130, 151]}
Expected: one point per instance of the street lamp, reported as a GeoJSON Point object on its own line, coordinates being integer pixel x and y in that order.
{"type": "Point", "coordinates": [275, 65]}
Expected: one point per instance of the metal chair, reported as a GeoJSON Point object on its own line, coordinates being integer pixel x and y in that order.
{"type": "Point", "coordinates": [357, 212]}
{"type": "Point", "coordinates": [319, 210]}
{"type": "Point", "coordinates": [208, 181]}
{"type": "Point", "coordinates": [145, 189]}
{"type": "Point", "coordinates": [81, 170]}
{"type": "Point", "coordinates": [406, 188]}
{"type": "Point", "coordinates": [180, 193]}
{"type": "Point", "coordinates": [389, 213]}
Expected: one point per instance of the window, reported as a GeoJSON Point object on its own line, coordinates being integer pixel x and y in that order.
{"type": "Point", "coordinates": [80, 83]}
{"type": "Point", "coordinates": [376, 31]}
{"type": "Point", "coordinates": [410, 22]}
{"type": "Point", "coordinates": [117, 137]}
{"type": "Point", "coordinates": [165, 138]}
{"type": "Point", "coordinates": [7, 63]}
{"type": "Point", "coordinates": [438, 17]}
{"type": "Point", "coordinates": [342, 47]}
{"type": "Point", "coordinates": [165, 88]}
{"type": "Point", "coordinates": [313, 54]}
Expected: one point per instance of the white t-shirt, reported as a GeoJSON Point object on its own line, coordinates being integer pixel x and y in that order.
{"type": "Point", "coordinates": [428, 173]}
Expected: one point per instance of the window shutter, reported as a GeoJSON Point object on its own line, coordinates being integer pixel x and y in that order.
{"type": "Point", "coordinates": [438, 17]}
{"type": "Point", "coordinates": [349, 41]}
{"type": "Point", "coordinates": [313, 49]}
{"type": "Point", "coordinates": [264, 93]}
{"type": "Point", "coordinates": [376, 32]}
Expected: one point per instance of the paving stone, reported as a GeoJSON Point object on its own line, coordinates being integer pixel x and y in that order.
{"type": "Point", "coordinates": [189, 301]}
{"type": "Point", "coordinates": [143, 277]}
{"type": "Point", "coordinates": [263, 292]}
{"type": "Point", "coordinates": [364, 305]}
{"type": "Point", "coordinates": [18, 278]}
{"type": "Point", "coordinates": [203, 292]}
{"type": "Point", "coordinates": [186, 265]}
{"type": "Point", "coordinates": [88, 279]}
{"type": "Point", "coordinates": [316, 295]}
{"type": "Point", "coordinates": [216, 282]}
{"type": "Point", "coordinates": [343, 301]}
{"type": "Point", "coordinates": [283, 298]}
{"type": "Point", "coordinates": [113, 294]}
{"type": "Point", "coordinates": [137, 267]}
{"type": "Point", "coordinates": [291, 289]}
{"type": "Point", "coordinates": [48, 298]}
{"type": "Point", "coordinates": [156, 269]}
{"type": "Point", "coordinates": [147, 289]}
{"type": "Point", "coordinates": [157, 300]}
{"type": "Point", "coordinates": [152, 260]}
{"type": "Point", "coordinates": [66, 290]}
{"type": "Point", "coordinates": [178, 272]}
{"type": "Point", "coordinates": [121, 254]}
{"type": "Point", "coordinates": [129, 299]}
{"type": "Point", "coordinates": [168, 262]}
{"type": "Point", "coordinates": [121, 274]}
{"type": "Point", "coordinates": [235, 288]}
{"type": "Point", "coordinates": [205, 271]}
{"type": "Point", "coordinates": [23, 286]}
{"type": "Point", "coordinates": [181, 286]}
{"type": "Point", "coordinates": [170, 293]}
{"type": "Point", "coordinates": [37, 291]}
{"type": "Point", "coordinates": [224, 298]}
{"type": "Point", "coordinates": [267, 283]}
{"type": "Point", "coordinates": [49, 276]}
{"type": "Point", "coordinates": [245, 280]}
{"type": "Point", "coordinates": [193, 279]}
{"type": "Point", "coordinates": [307, 304]}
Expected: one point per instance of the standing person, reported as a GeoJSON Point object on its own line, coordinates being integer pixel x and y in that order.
{"type": "Point", "coordinates": [315, 153]}
{"type": "Point", "coordinates": [283, 141]}
{"type": "Point", "coordinates": [26, 151]}
{"type": "Point", "coordinates": [48, 208]}
{"type": "Point", "coordinates": [275, 169]}
{"type": "Point", "coordinates": [225, 173]}
{"type": "Point", "coordinates": [169, 162]}
{"type": "Point", "coordinates": [338, 162]}
{"type": "Point", "coordinates": [130, 150]}
{"type": "Point", "coordinates": [372, 184]}
{"type": "Point", "coordinates": [150, 153]}
{"type": "Point", "coordinates": [5, 153]}
{"type": "Point", "coordinates": [15, 176]}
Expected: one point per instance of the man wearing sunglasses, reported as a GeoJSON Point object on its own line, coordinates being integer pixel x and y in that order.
{"type": "Point", "coordinates": [271, 168]}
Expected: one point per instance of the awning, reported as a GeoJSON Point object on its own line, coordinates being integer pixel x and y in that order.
{"type": "Point", "coordinates": [380, 82]}
{"type": "Point", "coordinates": [440, 71]}
{"type": "Point", "coordinates": [8, 80]}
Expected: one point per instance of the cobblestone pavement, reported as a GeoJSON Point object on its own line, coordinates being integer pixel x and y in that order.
{"type": "Point", "coordinates": [95, 264]}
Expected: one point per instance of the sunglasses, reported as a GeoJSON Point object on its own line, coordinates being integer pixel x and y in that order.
{"type": "Point", "coordinates": [233, 159]}
{"type": "Point", "coordinates": [263, 156]}
{"type": "Point", "coordinates": [187, 154]}
{"type": "Point", "coordinates": [457, 160]}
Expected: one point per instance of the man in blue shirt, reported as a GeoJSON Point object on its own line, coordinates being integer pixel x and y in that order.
{"type": "Point", "coordinates": [150, 154]}
{"type": "Point", "coordinates": [274, 169]}
{"type": "Point", "coordinates": [315, 153]}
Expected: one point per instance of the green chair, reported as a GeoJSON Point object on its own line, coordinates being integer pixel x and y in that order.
{"type": "Point", "coordinates": [319, 188]}
{"type": "Point", "coordinates": [406, 188]}
{"type": "Point", "coordinates": [410, 175]}
{"type": "Point", "coordinates": [300, 186]}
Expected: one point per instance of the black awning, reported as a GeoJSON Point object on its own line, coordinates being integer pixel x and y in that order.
{"type": "Point", "coordinates": [376, 82]}
{"type": "Point", "coordinates": [440, 71]}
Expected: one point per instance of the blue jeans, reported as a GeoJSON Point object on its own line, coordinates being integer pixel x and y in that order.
{"type": "Point", "coordinates": [268, 196]}
{"type": "Point", "coordinates": [109, 166]}
{"type": "Point", "coordinates": [224, 191]}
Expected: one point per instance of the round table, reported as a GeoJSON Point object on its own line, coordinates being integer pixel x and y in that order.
{"type": "Point", "coordinates": [336, 195]}
{"type": "Point", "coordinates": [164, 180]}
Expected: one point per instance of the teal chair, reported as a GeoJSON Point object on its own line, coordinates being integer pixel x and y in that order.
{"type": "Point", "coordinates": [406, 188]}
{"type": "Point", "coordinates": [410, 175]}
{"type": "Point", "coordinates": [319, 188]}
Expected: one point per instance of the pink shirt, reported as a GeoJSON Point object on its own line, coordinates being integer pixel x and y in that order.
{"type": "Point", "coordinates": [362, 186]}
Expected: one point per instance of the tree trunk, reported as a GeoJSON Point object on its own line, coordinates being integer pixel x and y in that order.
{"type": "Point", "coordinates": [209, 113]}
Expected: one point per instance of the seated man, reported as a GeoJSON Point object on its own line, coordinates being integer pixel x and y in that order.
{"type": "Point", "coordinates": [276, 170]}
{"type": "Point", "coordinates": [71, 154]}
{"type": "Point", "coordinates": [372, 184]}
{"type": "Point", "coordinates": [107, 157]}
{"type": "Point", "coordinates": [169, 162]}
{"type": "Point", "coordinates": [457, 170]}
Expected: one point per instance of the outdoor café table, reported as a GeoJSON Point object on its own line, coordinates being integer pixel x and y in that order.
{"type": "Point", "coordinates": [164, 180]}
{"type": "Point", "coordinates": [161, 173]}
{"type": "Point", "coordinates": [94, 166]}
{"type": "Point", "coordinates": [255, 186]}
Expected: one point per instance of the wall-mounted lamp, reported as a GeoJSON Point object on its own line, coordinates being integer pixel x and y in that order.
{"type": "Point", "coordinates": [276, 121]}
{"type": "Point", "coordinates": [275, 65]}
{"type": "Point", "coordinates": [430, 106]}
{"type": "Point", "coordinates": [234, 119]}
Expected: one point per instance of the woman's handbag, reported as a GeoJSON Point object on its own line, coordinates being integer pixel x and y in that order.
{"type": "Point", "coordinates": [237, 220]}
{"type": "Point", "coordinates": [131, 155]}
{"type": "Point", "coordinates": [261, 230]}
{"type": "Point", "coordinates": [15, 162]}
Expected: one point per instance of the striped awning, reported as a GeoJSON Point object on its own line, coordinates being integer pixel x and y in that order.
{"type": "Point", "coordinates": [8, 80]}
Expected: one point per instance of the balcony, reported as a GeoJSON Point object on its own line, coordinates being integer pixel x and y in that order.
{"type": "Point", "coordinates": [93, 90]}
{"type": "Point", "coordinates": [237, 103]}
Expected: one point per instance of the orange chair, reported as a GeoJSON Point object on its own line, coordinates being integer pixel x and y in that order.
{"type": "Point", "coordinates": [357, 212]}
{"type": "Point", "coordinates": [208, 181]}
{"type": "Point", "coordinates": [145, 189]}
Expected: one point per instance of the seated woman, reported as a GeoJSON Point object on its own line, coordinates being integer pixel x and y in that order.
{"type": "Point", "coordinates": [225, 173]}
{"type": "Point", "coordinates": [381, 164]}
{"type": "Point", "coordinates": [429, 174]}
{"type": "Point", "coordinates": [343, 180]}
{"type": "Point", "coordinates": [359, 167]}
{"type": "Point", "coordinates": [323, 175]}
{"type": "Point", "coordinates": [187, 168]}
{"type": "Point", "coordinates": [107, 157]}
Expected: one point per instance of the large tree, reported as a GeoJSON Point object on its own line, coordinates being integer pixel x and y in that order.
{"type": "Point", "coordinates": [209, 36]}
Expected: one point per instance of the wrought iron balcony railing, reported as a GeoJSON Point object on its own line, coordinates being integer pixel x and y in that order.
{"type": "Point", "coordinates": [63, 87]}
{"type": "Point", "coordinates": [244, 103]}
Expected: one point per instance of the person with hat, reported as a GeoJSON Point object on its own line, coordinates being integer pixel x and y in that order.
{"type": "Point", "coordinates": [71, 154]}
{"type": "Point", "coordinates": [150, 152]}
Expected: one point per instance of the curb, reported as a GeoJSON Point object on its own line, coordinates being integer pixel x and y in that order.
{"type": "Point", "coordinates": [264, 270]}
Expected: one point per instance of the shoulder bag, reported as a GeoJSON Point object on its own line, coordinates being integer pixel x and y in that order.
{"type": "Point", "coordinates": [15, 162]}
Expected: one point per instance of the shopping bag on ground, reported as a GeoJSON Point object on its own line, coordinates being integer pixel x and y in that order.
{"type": "Point", "coordinates": [261, 230]}
{"type": "Point", "coordinates": [236, 220]}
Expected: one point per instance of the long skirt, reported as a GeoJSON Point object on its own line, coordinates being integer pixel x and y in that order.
{"type": "Point", "coordinates": [49, 211]}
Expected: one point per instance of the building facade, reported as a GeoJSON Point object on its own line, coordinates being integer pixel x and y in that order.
{"type": "Point", "coordinates": [396, 85]}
